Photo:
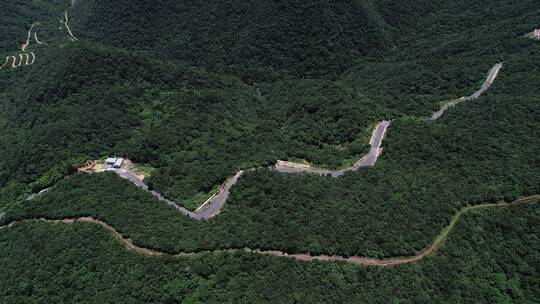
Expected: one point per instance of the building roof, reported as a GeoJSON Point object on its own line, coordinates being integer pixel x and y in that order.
{"type": "Point", "coordinates": [119, 161]}
{"type": "Point", "coordinates": [111, 160]}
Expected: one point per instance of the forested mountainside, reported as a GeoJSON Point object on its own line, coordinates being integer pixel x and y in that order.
{"type": "Point", "coordinates": [198, 127]}
{"type": "Point", "coordinates": [475, 153]}
{"type": "Point", "coordinates": [268, 40]}
{"type": "Point", "coordinates": [311, 38]}
{"type": "Point", "coordinates": [196, 91]}
{"type": "Point", "coordinates": [490, 258]}
{"type": "Point", "coordinates": [18, 16]}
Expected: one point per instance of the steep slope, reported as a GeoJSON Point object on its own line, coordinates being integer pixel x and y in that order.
{"type": "Point", "coordinates": [195, 127]}
{"type": "Point", "coordinates": [311, 38]}
{"type": "Point", "coordinates": [85, 100]}
{"type": "Point", "coordinates": [474, 153]}
{"type": "Point", "coordinates": [492, 257]}
{"type": "Point", "coordinates": [198, 90]}
{"type": "Point", "coordinates": [18, 16]}
{"type": "Point", "coordinates": [198, 128]}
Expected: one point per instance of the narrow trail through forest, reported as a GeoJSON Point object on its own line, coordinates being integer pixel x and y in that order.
{"type": "Point", "coordinates": [36, 38]}
{"type": "Point", "coordinates": [6, 62]}
{"type": "Point", "coordinates": [66, 21]}
{"type": "Point", "coordinates": [25, 45]}
{"type": "Point", "coordinates": [24, 57]}
{"type": "Point", "coordinates": [31, 31]}
{"type": "Point", "coordinates": [357, 260]}
{"type": "Point", "coordinates": [19, 60]}
{"type": "Point", "coordinates": [15, 61]}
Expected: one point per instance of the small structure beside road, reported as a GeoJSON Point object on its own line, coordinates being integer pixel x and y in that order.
{"type": "Point", "coordinates": [114, 162]}
{"type": "Point", "coordinates": [535, 34]}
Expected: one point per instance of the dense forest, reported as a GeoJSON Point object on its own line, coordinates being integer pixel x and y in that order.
{"type": "Point", "coordinates": [180, 120]}
{"type": "Point", "coordinates": [475, 153]}
{"type": "Point", "coordinates": [198, 125]}
{"type": "Point", "coordinates": [18, 16]}
{"type": "Point", "coordinates": [197, 91]}
{"type": "Point", "coordinates": [257, 39]}
{"type": "Point", "coordinates": [492, 257]}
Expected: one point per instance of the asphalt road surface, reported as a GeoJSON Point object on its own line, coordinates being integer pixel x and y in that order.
{"type": "Point", "coordinates": [217, 202]}
{"type": "Point", "coordinates": [368, 160]}
{"type": "Point", "coordinates": [214, 206]}
{"type": "Point", "coordinates": [493, 73]}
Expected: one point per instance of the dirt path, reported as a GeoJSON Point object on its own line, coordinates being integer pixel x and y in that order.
{"type": "Point", "coordinates": [28, 61]}
{"type": "Point", "coordinates": [358, 260]}
{"type": "Point", "coordinates": [25, 45]}
{"type": "Point", "coordinates": [66, 21]}
{"type": "Point", "coordinates": [6, 62]}
{"type": "Point", "coordinates": [23, 54]}
{"type": "Point", "coordinates": [15, 64]}
{"type": "Point", "coordinates": [36, 38]}
{"type": "Point", "coordinates": [24, 58]}
{"type": "Point", "coordinates": [428, 251]}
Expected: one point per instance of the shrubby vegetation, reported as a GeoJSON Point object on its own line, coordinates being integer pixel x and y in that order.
{"type": "Point", "coordinates": [490, 258]}
{"type": "Point", "coordinates": [197, 127]}
{"type": "Point", "coordinates": [59, 171]}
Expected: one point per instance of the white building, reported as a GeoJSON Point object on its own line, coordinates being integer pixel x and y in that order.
{"type": "Point", "coordinates": [114, 162]}
{"type": "Point", "coordinates": [118, 163]}
{"type": "Point", "coordinates": [536, 34]}
{"type": "Point", "coordinates": [110, 161]}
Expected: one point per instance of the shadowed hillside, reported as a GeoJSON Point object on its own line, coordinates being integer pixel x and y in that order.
{"type": "Point", "coordinates": [311, 38]}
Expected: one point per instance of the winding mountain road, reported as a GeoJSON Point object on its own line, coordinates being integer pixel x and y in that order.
{"type": "Point", "coordinates": [36, 38]}
{"type": "Point", "coordinates": [23, 53]}
{"type": "Point", "coordinates": [357, 260]}
{"type": "Point", "coordinates": [6, 62]}
{"type": "Point", "coordinates": [368, 160]}
{"type": "Point", "coordinates": [216, 202]}
{"type": "Point", "coordinates": [23, 59]}
{"type": "Point", "coordinates": [14, 62]}
{"type": "Point", "coordinates": [493, 73]}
